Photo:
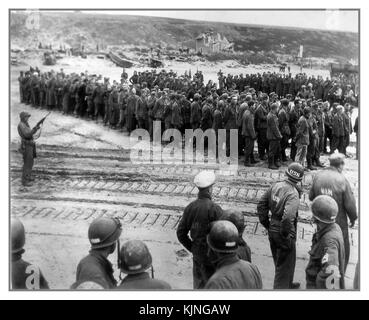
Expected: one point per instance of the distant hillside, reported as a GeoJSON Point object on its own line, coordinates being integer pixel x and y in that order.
{"type": "Point", "coordinates": [76, 28]}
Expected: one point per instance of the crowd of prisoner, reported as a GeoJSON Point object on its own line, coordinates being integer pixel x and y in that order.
{"type": "Point", "coordinates": [221, 257]}
{"type": "Point", "coordinates": [306, 113]}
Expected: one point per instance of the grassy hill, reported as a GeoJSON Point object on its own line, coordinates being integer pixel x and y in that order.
{"type": "Point", "coordinates": [74, 28]}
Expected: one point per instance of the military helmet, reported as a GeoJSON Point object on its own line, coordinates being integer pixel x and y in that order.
{"type": "Point", "coordinates": [325, 209]}
{"type": "Point", "coordinates": [135, 257]}
{"type": "Point", "coordinates": [223, 237]}
{"type": "Point", "coordinates": [18, 235]}
{"type": "Point", "coordinates": [104, 232]}
{"type": "Point", "coordinates": [24, 115]}
{"type": "Point", "coordinates": [295, 172]}
{"type": "Point", "coordinates": [236, 217]}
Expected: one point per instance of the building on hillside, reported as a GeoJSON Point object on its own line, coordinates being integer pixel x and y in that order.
{"type": "Point", "coordinates": [211, 42]}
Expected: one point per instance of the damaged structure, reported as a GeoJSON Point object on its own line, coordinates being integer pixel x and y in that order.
{"type": "Point", "coordinates": [212, 42]}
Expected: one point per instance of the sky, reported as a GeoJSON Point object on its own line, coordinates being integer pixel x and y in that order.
{"type": "Point", "coordinates": [336, 20]}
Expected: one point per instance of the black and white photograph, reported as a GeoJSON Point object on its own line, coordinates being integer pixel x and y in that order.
{"type": "Point", "coordinates": [184, 150]}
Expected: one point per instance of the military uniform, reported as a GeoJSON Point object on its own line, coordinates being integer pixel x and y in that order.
{"type": "Point", "coordinates": [302, 139]}
{"type": "Point", "coordinates": [26, 276]}
{"type": "Point", "coordinates": [261, 127]}
{"type": "Point", "coordinates": [230, 122]}
{"type": "Point", "coordinates": [326, 267]}
{"type": "Point", "coordinates": [196, 219]}
{"type": "Point", "coordinates": [284, 128]}
{"type": "Point", "coordinates": [27, 148]}
{"type": "Point", "coordinates": [142, 281]}
{"type": "Point", "coordinates": [332, 183]}
{"type": "Point", "coordinates": [235, 274]}
{"type": "Point", "coordinates": [131, 109]}
{"type": "Point", "coordinates": [274, 137]}
{"type": "Point", "coordinates": [249, 134]}
{"type": "Point", "coordinates": [282, 199]}
{"type": "Point", "coordinates": [195, 115]}
{"type": "Point", "coordinates": [95, 268]}
{"type": "Point", "coordinates": [338, 133]}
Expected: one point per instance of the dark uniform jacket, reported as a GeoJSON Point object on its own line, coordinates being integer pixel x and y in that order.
{"type": "Point", "coordinates": [207, 117]}
{"type": "Point", "coordinates": [230, 120]}
{"type": "Point", "coordinates": [26, 276]}
{"type": "Point", "coordinates": [142, 281]}
{"type": "Point", "coordinates": [327, 255]}
{"type": "Point", "coordinates": [218, 120]}
{"type": "Point", "coordinates": [261, 115]}
{"type": "Point", "coordinates": [248, 123]}
{"type": "Point", "coordinates": [158, 110]}
{"type": "Point", "coordinates": [282, 200]}
{"type": "Point", "coordinates": [302, 134]}
{"type": "Point", "coordinates": [27, 142]}
{"type": "Point", "coordinates": [338, 129]}
{"type": "Point", "coordinates": [284, 126]}
{"type": "Point", "coordinates": [332, 183]}
{"type": "Point", "coordinates": [195, 113]}
{"type": "Point", "coordinates": [241, 111]}
{"type": "Point", "coordinates": [293, 120]}
{"type": "Point", "coordinates": [196, 220]}
{"type": "Point", "coordinates": [176, 115]}
{"type": "Point", "coordinates": [244, 251]}
{"type": "Point", "coordinates": [347, 125]}
{"type": "Point", "coordinates": [273, 132]}
{"type": "Point", "coordinates": [233, 273]}
{"type": "Point", "coordinates": [95, 268]}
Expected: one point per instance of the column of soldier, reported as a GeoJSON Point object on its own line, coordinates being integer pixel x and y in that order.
{"type": "Point", "coordinates": [278, 111]}
{"type": "Point", "coordinates": [221, 257]}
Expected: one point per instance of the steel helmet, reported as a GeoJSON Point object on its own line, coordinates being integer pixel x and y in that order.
{"type": "Point", "coordinates": [18, 235]}
{"type": "Point", "coordinates": [295, 172]}
{"type": "Point", "coordinates": [135, 257]}
{"type": "Point", "coordinates": [104, 232]}
{"type": "Point", "coordinates": [236, 217]}
{"type": "Point", "coordinates": [325, 209]}
{"type": "Point", "coordinates": [223, 237]}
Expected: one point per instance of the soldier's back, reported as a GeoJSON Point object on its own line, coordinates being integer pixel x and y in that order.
{"type": "Point", "coordinates": [143, 282]}
{"type": "Point", "coordinates": [26, 276]}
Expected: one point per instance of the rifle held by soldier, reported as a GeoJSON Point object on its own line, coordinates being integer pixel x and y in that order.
{"type": "Point", "coordinates": [42, 120]}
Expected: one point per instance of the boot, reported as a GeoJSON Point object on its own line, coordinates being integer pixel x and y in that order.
{"type": "Point", "coordinates": [295, 285]}
{"type": "Point", "coordinates": [272, 164]}
{"type": "Point", "coordinates": [310, 165]}
{"type": "Point", "coordinates": [277, 162]}
{"type": "Point", "coordinates": [248, 163]}
{"type": "Point", "coordinates": [319, 164]}
{"type": "Point", "coordinates": [253, 161]}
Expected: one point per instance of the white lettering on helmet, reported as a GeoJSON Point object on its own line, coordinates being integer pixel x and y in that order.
{"type": "Point", "coordinates": [294, 173]}
{"type": "Point", "coordinates": [230, 244]}
{"type": "Point", "coordinates": [134, 268]}
{"type": "Point", "coordinates": [95, 241]}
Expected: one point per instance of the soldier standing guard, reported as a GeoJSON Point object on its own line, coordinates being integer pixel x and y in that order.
{"type": "Point", "coordinates": [196, 220]}
{"type": "Point", "coordinates": [231, 271]}
{"type": "Point", "coordinates": [104, 236]}
{"type": "Point", "coordinates": [326, 268]}
{"type": "Point", "coordinates": [136, 259]}
{"type": "Point", "coordinates": [28, 147]}
{"type": "Point", "coordinates": [333, 183]}
{"type": "Point", "coordinates": [283, 200]}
